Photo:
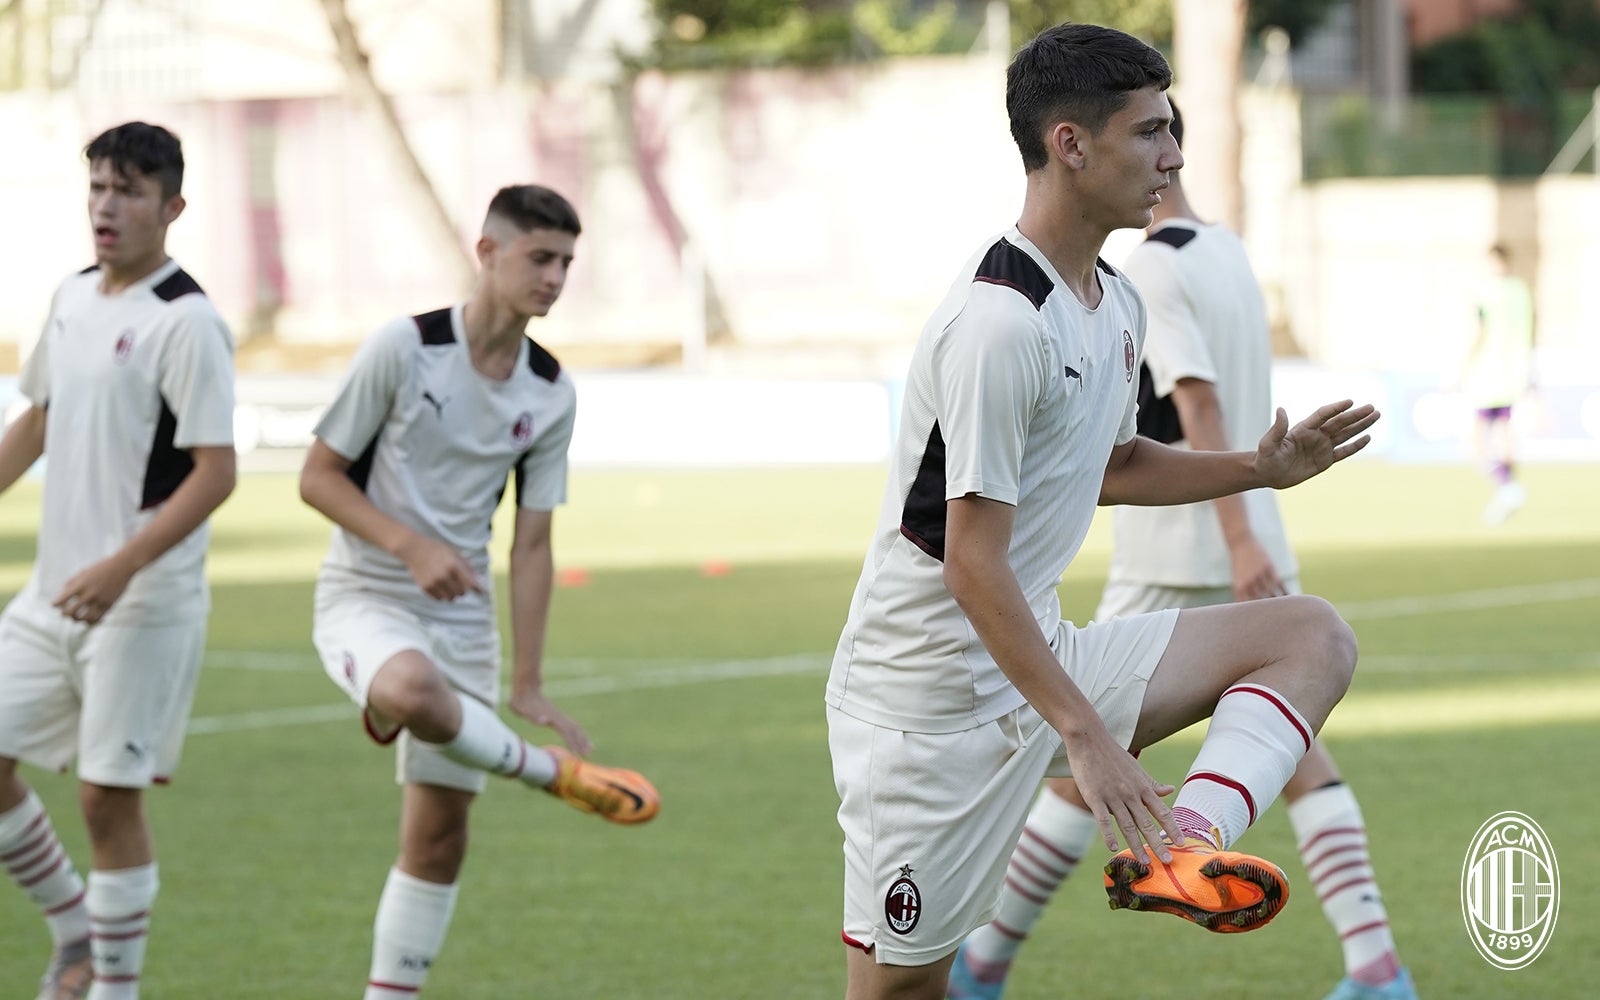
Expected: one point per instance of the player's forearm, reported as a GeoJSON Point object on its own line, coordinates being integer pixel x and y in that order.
{"type": "Point", "coordinates": [331, 493]}
{"type": "Point", "coordinates": [1155, 475]}
{"type": "Point", "coordinates": [202, 491]}
{"type": "Point", "coordinates": [1200, 414]}
{"type": "Point", "coordinates": [988, 593]}
{"type": "Point", "coordinates": [21, 446]}
{"type": "Point", "coordinates": [532, 576]}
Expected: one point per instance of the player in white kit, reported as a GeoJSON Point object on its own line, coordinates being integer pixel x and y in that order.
{"type": "Point", "coordinates": [956, 687]}
{"type": "Point", "coordinates": [1206, 384]}
{"type": "Point", "coordinates": [131, 387]}
{"type": "Point", "coordinates": [411, 459]}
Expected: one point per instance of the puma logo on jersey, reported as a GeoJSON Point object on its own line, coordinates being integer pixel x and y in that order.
{"type": "Point", "coordinates": [1071, 372]}
{"type": "Point", "coordinates": [434, 401]}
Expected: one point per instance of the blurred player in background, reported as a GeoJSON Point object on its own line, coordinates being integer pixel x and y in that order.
{"type": "Point", "coordinates": [411, 459]}
{"type": "Point", "coordinates": [1498, 370]}
{"type": "Point", "coordinates": [131, 386]}
{"type": "Point", "coordinates": [956, 687]}
{"type": "Point", "coordinates": [1206, 384]}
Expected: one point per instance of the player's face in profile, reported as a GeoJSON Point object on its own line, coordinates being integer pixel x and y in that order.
{"type": "Point", "coordinates": [530, 269]}
{"type": "Point", "coordinates": [128, 216]}
{"type": "Point", "coordinates": [1131, 158]}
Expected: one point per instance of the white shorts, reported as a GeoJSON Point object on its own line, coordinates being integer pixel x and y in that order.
{"type": "Point", "coordinates": [1119, 600]}
{"type": "Point", "coordinates": [930, 819]}
{"type": "Point", "coordinates": [356, 634]}
{"type": "Point", "coordinates": [116, 697]}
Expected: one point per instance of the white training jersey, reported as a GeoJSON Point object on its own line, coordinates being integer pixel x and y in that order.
{"type": "Point", "coordinates": [1207, 321]}
{"type": "Point", "coordinates": [432, 442]}
{"type": "Point", "coordinates": [129, 383]}
{"type": "Point", "coordinates": [1016, 392]}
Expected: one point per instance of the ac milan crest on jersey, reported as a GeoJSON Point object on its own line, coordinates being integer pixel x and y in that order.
{"type": "Point", "coordinates": [1128, 354]}
{"type": "Point", "coordinates": [124, 348]}
{"type": "Point", "coordinates": [522, 430]}
{"type": "Point", "coordinates": [903, 905]}
{"type": "Point", "coordinates": [350, 667]}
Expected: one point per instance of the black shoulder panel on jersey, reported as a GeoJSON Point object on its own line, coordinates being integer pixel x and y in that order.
{"type": "Point", "coordinates": [435, 327]}
{"type": "Point", "coordinates": [923, 518]}
{"type": "Point", "coordinates": [543, 363]}
{"type": "Point", "coordinates": [1009, 265]}
{"type": "Point", "coordinates": [1173, 236]}
{"type": "Point", "coordinates": [90, 269]}
{"type": "Point", "coordinates": [1158, 417]}
{"type": "Point", "coordinates": [1100, 262]}
{"type": "Point", "coordinates": [361, 468]}
{"type": "Point", "coordinates": [168, 465]}
{"type": "Point", "coordinates": [177, 286]}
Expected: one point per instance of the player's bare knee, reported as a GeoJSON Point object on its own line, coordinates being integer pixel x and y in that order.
{"type": "Point", "coordinates": [1329, 637]}
{"type": "Point", "coordinates": [412, 693]}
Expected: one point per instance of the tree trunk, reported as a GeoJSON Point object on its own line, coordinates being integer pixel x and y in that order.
{"type": "Point", "coordinates": [1208, 37]}
{"type": "Point", "coordinates": [418, 189]}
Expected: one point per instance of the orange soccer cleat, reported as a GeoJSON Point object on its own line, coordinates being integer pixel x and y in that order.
{"type": "Point", "coordinates": [618, 795]}
{"type": "Point", "coordinates": [1222, 891]}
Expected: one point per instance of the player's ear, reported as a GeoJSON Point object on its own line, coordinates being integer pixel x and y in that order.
{"type": "Point", "coordinates": [1066, 141]}
{"type": "Point", "coordinates": [485, 249]}
{"type": "Point", "coordinates": [172, 209]}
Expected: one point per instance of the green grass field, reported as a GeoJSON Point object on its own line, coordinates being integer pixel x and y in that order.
{"type": "Point", "coordinates": [1479, 691]}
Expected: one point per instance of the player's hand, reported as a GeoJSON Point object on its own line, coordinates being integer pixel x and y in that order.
{"type": "Point", "coordinates": [1254, 576]}
{"type": "Point", "coordinates": [89, 595]}
{"type": "Point", "coordinates": [1122, 796]}
{"type": "Point", "coordinates": [1289, 455]}
{"type": "Point", "coordinates": [441, 571]}
{"type": "Point", "coordinates": [536, 708]}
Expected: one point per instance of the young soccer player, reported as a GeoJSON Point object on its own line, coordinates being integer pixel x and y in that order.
{"type": "Point", "coordinates": [131, 387]}
{"type": "Point", "coordinates": [1498, 370]}
{"type": "Point", "coordinates": [411, 459]}
{"type": "Point", "coordinates": [956, 686]}
{"type": "Point", "coordinates": [1206, 384]}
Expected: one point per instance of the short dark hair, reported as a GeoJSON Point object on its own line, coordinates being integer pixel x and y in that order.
{"type": "Point", "coordinates": [143, 148]}
{"type": "Point", "coordinates": [531, 206]}
{"type": "Point", "coordinates": [1081, 72]}
{"type": "Point", "coordinates": [1177, 123]}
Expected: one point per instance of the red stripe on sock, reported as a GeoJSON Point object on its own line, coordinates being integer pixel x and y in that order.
{"type": "Point", "coordinates": [1278, 703]}
{"type": "Point", "coordinates": [45, 839]}
{"type": "Point", "coordinates": [1359, 846]}
{"type": "Point", "coordinates": [1352, 932]}
{"type": "Point", "coordinates": [120, 936]}
{"type": "Point", "coordinates": [1336, 869]}
{"type": "Point", "coordinates": [127, 919]}
{"type": "Point", "coordinates": [392, 987]}
{"type": "Point", "coordinates": [1226, 782]}
{"type": "Point", "coordinates": [1333, 831]}
{"type": "Point", "coordinates": [1014, 935]}
{"type": "Point", "coordinates": [1363, 880]}
{"type": "Point", "coordinates": [6, 858]}
{"type": "Point", "coordinates": [69, 904]}
{"type": "Point", "coordinates": [1043, 864]}
{"type": "Point", "coordinates": [25, 883]}
{"type": "Point", "coordinates": [1053, 849]}
{"type": "Point", "coordinates": [1025, 894]}
{"type": "Point", "coordinates": [133, 978]}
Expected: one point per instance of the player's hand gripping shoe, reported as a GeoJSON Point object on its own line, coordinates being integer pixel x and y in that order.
{"type": "Point", "coordinates": [618, 795]}
{"type": "Point", "coordinates": [1222, 891]}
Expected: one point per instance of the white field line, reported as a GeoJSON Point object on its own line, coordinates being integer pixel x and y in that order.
{"type": "Point", "coordinates": [581, 677]}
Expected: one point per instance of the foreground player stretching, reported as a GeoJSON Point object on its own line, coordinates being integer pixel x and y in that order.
{"type": "Point", "coordinates": [1206, 381]}
{"type": "Point", "coordinates": [410, 462]}
{"type": "Point", "coordinates": [132, 390]}
{"type": "Point", "coordinates": [956, 686]}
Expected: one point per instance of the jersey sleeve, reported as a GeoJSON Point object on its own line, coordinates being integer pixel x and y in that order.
{"type": "Point", "coordinates": [367, 394]}
{"type": "Point", "coordinates": [541, 472]}
{"type": "Point", "coordinates": [196, 376]}
{"type": "Point", "coordinates": [34, 382]}
{"type": "Point", "coordinates": [988, 375]}
{"type": "Point", "coordinates": [1174, 347]}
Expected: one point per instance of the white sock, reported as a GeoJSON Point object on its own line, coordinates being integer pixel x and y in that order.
{"type": "Point", "coordinates": [1055, 838]}
{"type": "Point", "coordinates": [1332, 837]}
{"type": "Point", "coordinates": [35, 859]}
{"type": "Point", "coordinates": [1255, 741]}
{"type": "Point", "coordinates": [487, 743]}
{"type": "Point", "coordinates": [413, 916]}
{"type": "Point", "coordinates": [119, 916]}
